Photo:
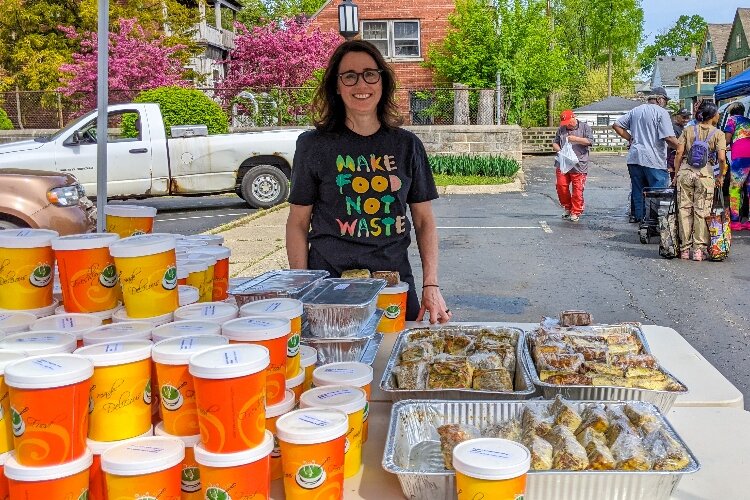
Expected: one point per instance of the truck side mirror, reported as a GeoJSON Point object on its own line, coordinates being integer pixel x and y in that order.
{"type": "Point", "coordinates": [75, 139]}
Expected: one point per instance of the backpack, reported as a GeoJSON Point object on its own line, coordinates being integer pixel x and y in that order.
{"type": "Point", "coordinates": [700, 152]}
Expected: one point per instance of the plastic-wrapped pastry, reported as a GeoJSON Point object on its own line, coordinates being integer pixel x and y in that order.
{"type": "Point", "coordinates": [457, 344]}
{"type": "Point", "coordinates": [565, 414]}
{"type": "Point", "coordinates": [622, 339]}
{"type": "Point", "coordinates": [666, 452]}
{"type": "Point", "coordinates": [451, 435]}
{"type": "Point", "coordinates": [546, 338]}
{"type": "Point", "coordinates": [449, 372]}
{"type": "Point", "coordinates": [600, 457]}
{"type": "Point", "coordinates": [609, 381]}
{"type": "Point", "coordinates": [418, 351]}
{"type": "Point", "coordinates": [634, 360]}
{"type": "Point", "coordinates": [575, 318]}
{"type": "Point", "coordinates": [411, 375]}
{"type": "Point", "coordinates": [594, 368]}
{"type": "Point", "coordinates": [581, 342]}
{"type": "Point", "coordinates": [497, 336]}
{"type": "Point", "coordinates": [663, 383]}
{"type": "Point", "coordinates": [619, 426]}
{"type": "Point", "coordinates": [492, 380]}
{"type": "Point", "coordinates": [541, 452]}
{"type": "Point", "coordinates": [421, 334]}
{"type": "Point", "coordinates": [485, 360]}
{"type": "Point", "coordinates": [567, 379]}
{"type": "Point", "coordinates": [541, 350]}
{"type": "Point", "coordinates": [534, 422]}
{"type": "Point", "coordinates": [570, 363]}
{"type": "Point", "coordinates": [390, 277]}
{"type": "Point", "coordinates": [639, 415]}
{"type": "Point", "coordinates": [640, 372]}
{"type": "Point", "coordinates": [586, 436]}
{"type": "Point", "coordinates": [629, 452]}
{"type": "Point", "coordinates": [510, 429]}
{"type": "Point", "coordinates": [356, 273]}
{"type": "Point", "coordinates": [568, 454]}
{"type": "Point", "coordinates": [505, 352]}
{"type": "Point", "coordinates": [596, 354]}
{"type": "Point", "coordinates": [624, 349]}
{"type": "Point", "coordinates": [594, 417]}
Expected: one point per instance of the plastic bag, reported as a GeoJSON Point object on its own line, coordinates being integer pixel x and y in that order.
{"type": "Point", "coordinates": [718, 229]}
{"type": "Point", "coordinates": [567, 158]}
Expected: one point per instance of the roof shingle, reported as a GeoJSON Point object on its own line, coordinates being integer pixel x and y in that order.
{"type": "Point", "coordinates": [670, 67]}
{"type": "Point", "coordinates": [612, 104]}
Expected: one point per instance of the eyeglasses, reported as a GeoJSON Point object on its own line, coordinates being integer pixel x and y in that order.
{"type": "Point", "coordinates": [350, 78]}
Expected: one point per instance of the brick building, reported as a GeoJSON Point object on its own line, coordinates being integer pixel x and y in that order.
{"type": "Point", "coordinates": [403, 32]}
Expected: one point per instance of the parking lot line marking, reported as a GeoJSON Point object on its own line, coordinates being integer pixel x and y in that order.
{"type": "Point", "coordinates": [489, 227]}
{"type": "Point", "coordinates": [202, 217]}
{"type": "Point", "coordinates": [545, 226]}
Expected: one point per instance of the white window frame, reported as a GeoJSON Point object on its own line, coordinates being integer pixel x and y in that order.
{"type": "Point", "coordinates": [738, 41]}
{"type": "Point", "coordinates": [391, 37]}
{"type": "Point", "coordinates": [710, 80]}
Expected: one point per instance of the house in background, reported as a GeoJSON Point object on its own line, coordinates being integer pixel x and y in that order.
{"type": "Point", "coordinates": [737, 53]}
{"type": "Point", "coordinates": [402, 32]}
{"type": "Point", "coordinates": [698, 84]}
{"type": "Point", "coordinates": [606, 111]}
{"type": "Point", "coordinates": [666, 72]}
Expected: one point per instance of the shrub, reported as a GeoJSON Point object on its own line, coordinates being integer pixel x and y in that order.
{"type": "Point", "coordinates": [181, 106]}
{"type": "Point", "coordinates": [5, 123]}
{"type": "Point", "coordinates": [487, 166]}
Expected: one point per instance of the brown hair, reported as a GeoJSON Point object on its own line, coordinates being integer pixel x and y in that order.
{"type": "Point", "coordinates": [329, 113]}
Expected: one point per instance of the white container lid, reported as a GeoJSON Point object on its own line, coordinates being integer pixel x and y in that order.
{"type": "Point", "coordinates": [41, 312]}
{"type": "Point", "coordinates": [129, 211]}
{"type": "Point", "coordinates": [221, 460]}
{"type": "Point", "coordinates": [103, 315]}
{"type": "Point", "coordinates": [27, 238]}
{"type": "Point", "coordinates": [345, 398]}
{"type": "Point", "coordinates": [230, 361]}
{"type": "Point", "coordinates": [400, 288]}
{"type": "Point", "coordinates": [192, 266]}
{"type": "Point", "coordinates": [204, 257]}
{"type": "Point", "coordinates": [209, 239]}
{"type": "Point", "coordinates": [255, 328]}
{"type": "Point", "coordinates": [8, 357]}
{"type": "Point", "coordinates": [143, 456]}
{"type": "Point", "coordinates": [345, 373]}
{"type": "Point", "coordinates": [181, 272]}
{"type": "Point", "coordinates": [296, 380]}
{"type": "Point", "coordinates": [312, 425]}
{"type": "Point", "coordinates": [73, 323]}
{"type": "Point", "coordinates": [17, 472]}
{"type": "Point", "coordinates": [491, 459]}
{"type": "Point", "coordinates": [132, 330]}
{"type": "Point", "coordinates": [308, 356]}
{"type": "Point", "coordinates": [117, 353]}
{"type": "Point", "coordinates": [45, 372]}
{"type": "Point", "coordinates": [99, 447]}
{"type": "Point", "coordinates": [37, 343]}
{"type": "Point", "coordinates": [285, 406]}
{"type": "Point", "coordinates": [185, 328]}
{"type": "Point", "coordinates": [121, 315]}
{"type": "Point", "coordinates": [190, 441]}
{"type": "Point", "coordinates": [284, 307]}
{"type": "Point", "coordinates": [86, 241]}
{"type": "Point", "coordinates": [15, 322]}
{"type": "Point", "coordinates": [215, 311]}
{"type": "Point", "coordinates": [141, 245]}
{"type": "Point", "coordinates": [188, 294]}
{"type": "Point", "coordinates": [178, 351]}
{"type": "Point", "coordinates": [214, 250]}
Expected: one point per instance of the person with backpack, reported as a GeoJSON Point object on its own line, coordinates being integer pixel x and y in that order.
{"type": "Point", "coordinates": [703, 147]}
{"type": "Point", "coordinates": [737, 131]}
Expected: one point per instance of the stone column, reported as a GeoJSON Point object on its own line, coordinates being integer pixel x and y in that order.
{"type": "Point", "coordinates": [486, 107]}
{"type": "Point", "coordinates": [460, 104]}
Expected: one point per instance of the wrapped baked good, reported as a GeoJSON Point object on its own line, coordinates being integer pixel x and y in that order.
{"type": "Point", "coordinates": [496, 336]}
{"type": "Point", "coordinates": [486, 360]}
{"type": "Point", "coordinates": [540, 350]}
{"type": "Point", "coordinates": [655, 383]}
{"type": "Point", "coordinates": [356, 273]}
{"type": "Point", "coordinates": [622, 339]}
{"type": "Point", "coordinates": [392, 278]}
{"type": "Point", "coordinates": [596, 354]}
{"type": "Point", "coordinates": [541, 452]}
{"type": "Point", "coordinates": [575, 318]}
{"type": "Point", "coordinates": [505, 352]}
{"type": "Point", "coordinates": [618, 427]}
{"type": "Point", "coordinates": [421, 334]}
{"type": "Point", "coordinates": [570, 363]}
{"type": "Point", "coordinates": [609, 381]}
{"type": "Point", "coordinates": [412, 375]}
{"type": "Point", "coordinates": [546, 338]}
{"type": "Point", "coordinates": [565, 414]}
{"type": "Point", "coordinates": [581, 342]}
{"type": "Point", "coordinates": [535, 421]}
{"type": "Point", "coordinates": [450, 436]}
{"type": "Point", "coordinates": [449, 372]}
{"type": "Point", "coordinates": [639, 415]}
{"type": "Point", "coordinates": [666, 452]}
{"type": "Point", "coordinates": [509, 429]}
{"type": "Point", "coordinates": [634, 360]}
{"type": "Point", "coordinates": [420, 350]}
{"type": "Point", "coordinates": [589, 435]}
{"type": "Point", "coordinates": [594, 417]}
{"type": "Point", "coordinates": [457, 344]}
{"type": "Point", "coordinates": [629, 452]}
{"type": "Point", "coordinates": [593, 368]}
{"type": "Point", "coordinates": [493, 380]}
{"type": "Point", "coordinates": [600, 457]}
{"type": "Point", "coordinates": [567, 379]}
{"type": "Point", "coordinates": [624, 349]}
{"type": "Point", "coordinates": [568, 454]}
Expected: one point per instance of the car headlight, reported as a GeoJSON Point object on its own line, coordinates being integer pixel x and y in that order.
{"type": "Point", "coordinates": [65, 196]}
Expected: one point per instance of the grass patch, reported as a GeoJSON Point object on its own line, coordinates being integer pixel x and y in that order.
{"type": "Point", "coordinates": [474, 165]}
{"type": "Point", "coordinates": [469, 180]}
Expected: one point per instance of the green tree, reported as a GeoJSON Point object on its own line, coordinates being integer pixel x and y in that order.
{"type": "Point", "coordinates": [679, 40]}
{"type": "Point", "coordinates": [258, 12]}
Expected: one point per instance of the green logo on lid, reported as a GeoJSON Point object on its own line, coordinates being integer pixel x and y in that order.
{"type": "Point", "coordinates": [216, 493]}
{"type": "Point", "coordinates": [41, 276]}
{"type": "Point", "coordinates": [392, 311]}
{"type": "Point", "coordinates": [310, 476]}
{"type": "Point", "coordinates": [169, 282]}
{"type": "Point", "coordinates": [292, 346]}
{"type": "Point", "coordinates": [19, 427]}
{"type": "Point", "coordinates": [147, 393]}
{"type": "Point", "coordinates": [108, 276]}
{"type": "Point", "coordinates": [191, 479]}
{"type": "Point", "coordinates": [171, 399]}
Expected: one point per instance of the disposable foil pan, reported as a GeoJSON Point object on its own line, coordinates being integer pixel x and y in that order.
{"type": "Point", "coordinates": [521, 380]}
{"type": "Point", "coordinates": [412, 452]}
{"type": "Point", "coordinates": [361, 347]}
{"type": "Point", "coordinates": [662, 399]}
{"type": "Point", "coordinates": [292, 283]}
{"type": "Point", "coordinates": [338, 307]}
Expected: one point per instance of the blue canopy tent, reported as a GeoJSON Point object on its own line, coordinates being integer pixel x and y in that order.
{"type": "Point", "coordinates": [737, 86]}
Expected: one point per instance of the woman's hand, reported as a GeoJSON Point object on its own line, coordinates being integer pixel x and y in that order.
{"type": "Point", "coordinates": [433, 302]}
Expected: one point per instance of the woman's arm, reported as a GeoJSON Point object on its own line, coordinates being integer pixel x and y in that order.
{"type": "Point", "coordinates": [427, 241]}
{"type": "Point", "coordinates": [678, 158]}
{"type": "Point", "coordinates": [297, 227]}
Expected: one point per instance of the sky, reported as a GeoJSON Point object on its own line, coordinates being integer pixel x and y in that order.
{"type": "Point", "coordinates": [662, 14]}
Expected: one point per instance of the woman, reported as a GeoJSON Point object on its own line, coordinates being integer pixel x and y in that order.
{"type": "Point", "coordinates": [353, 178]}
{"type": "Point", "coordinates": [695, 186]}
{"type": "Point", "coordinates": [737, 132]}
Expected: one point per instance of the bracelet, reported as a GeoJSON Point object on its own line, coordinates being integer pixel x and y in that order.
{"type": "Point", "coordinates": [425, 286]}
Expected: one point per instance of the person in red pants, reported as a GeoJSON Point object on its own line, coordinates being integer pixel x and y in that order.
{"type": "Point", "coordinates": [580, 136]}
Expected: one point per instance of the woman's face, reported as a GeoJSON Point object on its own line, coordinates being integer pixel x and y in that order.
{"type": "Point", "coordinates": [362, 98]}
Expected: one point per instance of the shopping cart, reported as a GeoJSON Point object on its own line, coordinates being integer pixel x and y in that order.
{"type": "Point", "coordinates": [656, 202]}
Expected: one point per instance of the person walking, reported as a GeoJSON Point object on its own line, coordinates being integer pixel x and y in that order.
{"type": "Point", "coordinates": [648, 129]}
{"type": "Point", "coordinates": [696, 180]}
{"type": "Point", "coordinates": [581, 137]}
{"type": "Point", "coordinates": [737, 130]}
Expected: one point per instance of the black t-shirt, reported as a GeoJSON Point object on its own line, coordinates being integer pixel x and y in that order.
{"type": "Point", "coordinates": [360, 188]}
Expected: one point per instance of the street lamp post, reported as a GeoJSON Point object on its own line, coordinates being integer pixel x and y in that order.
{"type": "Point", "coordinates": [348, 19]}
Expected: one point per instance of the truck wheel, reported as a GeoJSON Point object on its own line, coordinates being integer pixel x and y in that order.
{"type": "Point", "coordinates": [264, 186]}
{"type": "Point", "coordinates": [7, 224]}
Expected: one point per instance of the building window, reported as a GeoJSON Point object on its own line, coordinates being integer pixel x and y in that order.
{"type": "Point", "coordinates": [395, 39]}
{"type": "Point", "coordinates": [711, 76]}
{"type": "Point", "coordinates": [602, 119]}
{"type": "Point", "coordinates": [738, 41]}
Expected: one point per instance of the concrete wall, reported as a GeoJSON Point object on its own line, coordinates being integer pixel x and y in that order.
{"type": "Point", "coordinates": [498, 140]}
{"type": "Point", "coordinates": [539, 139]}
{"type": "Point", "coordinates": [23, 135]}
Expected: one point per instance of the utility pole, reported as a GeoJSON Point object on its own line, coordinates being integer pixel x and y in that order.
{"type": "Point", "coordinates": [551, 95]}
{"type": "Point", "coordinates": [609, 49]}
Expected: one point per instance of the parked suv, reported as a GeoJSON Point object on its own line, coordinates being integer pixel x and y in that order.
{"type": "Point", "coordinates": [44, 200]}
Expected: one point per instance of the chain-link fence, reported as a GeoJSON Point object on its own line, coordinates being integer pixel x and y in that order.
{"type": "Point", "coordinates": [261, 107]}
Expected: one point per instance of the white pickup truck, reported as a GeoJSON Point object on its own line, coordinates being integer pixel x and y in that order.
{"type": "Point", "coordinates": [255, 165]}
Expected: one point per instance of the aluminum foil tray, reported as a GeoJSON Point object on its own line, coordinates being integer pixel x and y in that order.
{"type": "Point", "coordinates": [412, 452]}
{"type": "Point", "coordinates": [662, 399]}
{"type": "Point", "coordinates": [522, 382]}
{"type": "Point", "coordinates": [362, 347]}
{"type": "Point", "coordinates": [339, 307]}
{"type": "Point", "coordinates": [293, 283]}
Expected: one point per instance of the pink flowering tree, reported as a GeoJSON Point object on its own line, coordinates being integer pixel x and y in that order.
{"type": "Point", "coordinates": [138, 60]}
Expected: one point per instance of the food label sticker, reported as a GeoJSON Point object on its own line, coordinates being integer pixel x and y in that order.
{"type": "Point", "coordinates": [342, 286]}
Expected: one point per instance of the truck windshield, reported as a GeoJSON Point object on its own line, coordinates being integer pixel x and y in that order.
{"type": "Point", "coordinates": [59, 133]}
